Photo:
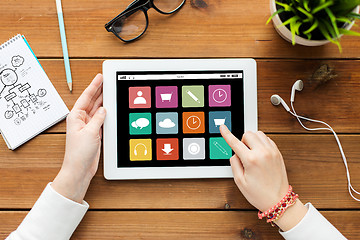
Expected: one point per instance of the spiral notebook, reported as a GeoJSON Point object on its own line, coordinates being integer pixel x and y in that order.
{"type": "Point", "coordinates": [29, 103]}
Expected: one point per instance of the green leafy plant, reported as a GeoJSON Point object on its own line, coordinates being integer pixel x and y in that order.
{"type": "Point", "coordinates": [317, 19]}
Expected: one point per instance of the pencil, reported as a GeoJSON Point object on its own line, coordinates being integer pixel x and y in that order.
{"type": "Point", "coordinates": [193, 96]}
{"type": "Point", "coordinates": [64, 44]}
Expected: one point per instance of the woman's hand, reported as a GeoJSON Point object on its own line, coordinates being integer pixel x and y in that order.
{"type": "Point", "coordinates": [258, 168]}
{"type": "Point", "coordinates": [259, 172]}
{"type": "Point", "coordinates": [83, 143]}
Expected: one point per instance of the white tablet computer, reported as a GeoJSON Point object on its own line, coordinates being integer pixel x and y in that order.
{"type": "Point", "coordinates": [163, 116]}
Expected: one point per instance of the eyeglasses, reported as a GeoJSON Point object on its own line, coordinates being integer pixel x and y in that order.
{"type": "Point", "coordinates": [133, 22]}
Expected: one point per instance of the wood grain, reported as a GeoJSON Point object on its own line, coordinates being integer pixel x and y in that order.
{"type": "Point", "coordinates": [181, 225]}
{"type": "Point", "coordinates": [315, 169]}
{"type": "Point", "coordinates": [229, 28]}
{"type": "Point", "coordinates": [335, 94]}
{"type": "Point", "coordinates": [190, 209]}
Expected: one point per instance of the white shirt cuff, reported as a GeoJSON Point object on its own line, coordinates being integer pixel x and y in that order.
{"type": "Point", "coordinates": [52, 217]}
{"type": "Point", "coordinates": [313, 226]}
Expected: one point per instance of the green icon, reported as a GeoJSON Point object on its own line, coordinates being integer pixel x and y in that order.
{"type": "Point", "coordinates": [140, 123]}
{"type": "Point", "coordinates": [219, 149]}
{"type": "Point", "coordinates": [193, 96]}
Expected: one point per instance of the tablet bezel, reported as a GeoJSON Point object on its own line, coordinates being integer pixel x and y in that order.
{"type": "Point", "coordinates": [110, 154]}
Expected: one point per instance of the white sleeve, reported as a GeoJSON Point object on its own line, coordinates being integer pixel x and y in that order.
{"type": "Point", "coordinates": [52, 217]}
{"type": "Point", "coordinates": [313, 226]}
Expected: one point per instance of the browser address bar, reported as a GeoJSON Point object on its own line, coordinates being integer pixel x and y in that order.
{"type": "Point", "coordinates": [179, 76]}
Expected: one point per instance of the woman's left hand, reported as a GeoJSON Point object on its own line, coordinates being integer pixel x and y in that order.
{"type": "Point", "coordinates": [83, 143]}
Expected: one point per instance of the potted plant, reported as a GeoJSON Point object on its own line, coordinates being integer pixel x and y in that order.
{"type": "Point", "coordinates": [314, 22]}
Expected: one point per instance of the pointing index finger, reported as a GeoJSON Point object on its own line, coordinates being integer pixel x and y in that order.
{"type": "Point", "coordinates": [239, 147]}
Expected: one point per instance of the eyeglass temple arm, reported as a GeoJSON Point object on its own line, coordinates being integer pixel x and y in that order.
{"type": "Point", "coordinates": [131, 5]}
{"type": "Point", "coordinates": [108, 25]}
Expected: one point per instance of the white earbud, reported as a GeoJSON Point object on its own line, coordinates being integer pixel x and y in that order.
{"type": "Point", "coordinates": [298, 86]}
{"type": "Point", "coordinates": [277, 100]}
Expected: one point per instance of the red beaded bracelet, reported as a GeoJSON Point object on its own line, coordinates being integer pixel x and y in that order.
{"type": "Point", "coordinates": [278, 210]}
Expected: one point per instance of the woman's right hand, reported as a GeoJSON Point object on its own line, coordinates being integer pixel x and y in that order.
{"type": "Point", "coordinates": [259, 172]}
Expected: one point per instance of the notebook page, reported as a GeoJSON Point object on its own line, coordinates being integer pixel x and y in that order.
{"type": "Point", "coordinates": [29, 103]}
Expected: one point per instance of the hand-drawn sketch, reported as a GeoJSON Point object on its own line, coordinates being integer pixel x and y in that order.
{"type": "Point", "coordinates": [9, 114]}
{"type": "Point", "coordinates": [17, 121]}
{"type": "Point", "coordinates": [17, 61]}
{"type": "Point", "coordinates": [21, 100]}
{"type": "Point", "coordinates": [8, 77]}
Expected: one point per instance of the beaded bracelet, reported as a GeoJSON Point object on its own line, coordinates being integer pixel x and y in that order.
{"type": "Point", "coordinates": [278, 210]}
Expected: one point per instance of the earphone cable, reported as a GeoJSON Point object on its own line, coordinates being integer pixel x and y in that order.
{"type": "Point", "coordinates": [329, 128]}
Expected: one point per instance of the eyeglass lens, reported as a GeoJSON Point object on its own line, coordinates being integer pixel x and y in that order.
{"type": "Point", "coordinates": [134, 24]}
{"type": "Point", "coordinates": [167, 6]}
{"type": "Point", "coordinates": [131, 26]}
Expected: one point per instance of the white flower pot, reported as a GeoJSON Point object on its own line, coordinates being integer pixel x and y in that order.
{"type": "Point", "coordinates": [285, 33]}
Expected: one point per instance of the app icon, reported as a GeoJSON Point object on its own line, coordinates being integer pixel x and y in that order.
{"type": "Point", "coordinates": [219, 95]}
{"type": "Point", "coordinates": [217, 118]}
{"type": "Point", "coordinates": [167, 149]}
{"type": "Point", "coordinates": [140, 150]}
{"type": "Point", "coordinates": [194, 148]}
{"type": "Point", "coordinates": [139, 123]}
{"type": "Point", "coordinates": [167, 123]}
{"type": "Point", "coordinates": [219, 149]}
{"type": "Point", "coordinates": [166, 97]}
{"type": "Point", "coordinates": [139, 97]}
{"type": "Point", "coordinates": [193, 96]}
{"type": "Point", "coordinates": [193, 122]}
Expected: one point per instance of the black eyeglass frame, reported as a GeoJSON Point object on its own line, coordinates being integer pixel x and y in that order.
{"type": "Point", "coordinates": [137, 5]}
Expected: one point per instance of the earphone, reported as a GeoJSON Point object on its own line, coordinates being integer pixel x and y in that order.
{"type": "Point", "coordinates": [145, 149]}
{"type": "Point", "coordinates": [298, 86]}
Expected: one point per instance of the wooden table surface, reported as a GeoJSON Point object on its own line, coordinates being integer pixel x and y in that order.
{"type": "Point", "coordinates": [191, 209]}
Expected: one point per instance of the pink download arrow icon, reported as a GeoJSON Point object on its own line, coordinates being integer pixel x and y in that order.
{"type": "Point", "coordinates": [167, 149]}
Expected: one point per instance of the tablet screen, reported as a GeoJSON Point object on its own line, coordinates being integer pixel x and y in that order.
{"type": "Point", "coordinates": [172, 119]}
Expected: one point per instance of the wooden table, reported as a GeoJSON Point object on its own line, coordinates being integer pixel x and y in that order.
{"type": "Point", "coordinates": [191, 209]}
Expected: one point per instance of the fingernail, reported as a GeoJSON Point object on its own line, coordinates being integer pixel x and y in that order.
{"type": "Point", "coordinates": [223, 127]}
{"type": "Point", "coordinates": [102, 110]}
